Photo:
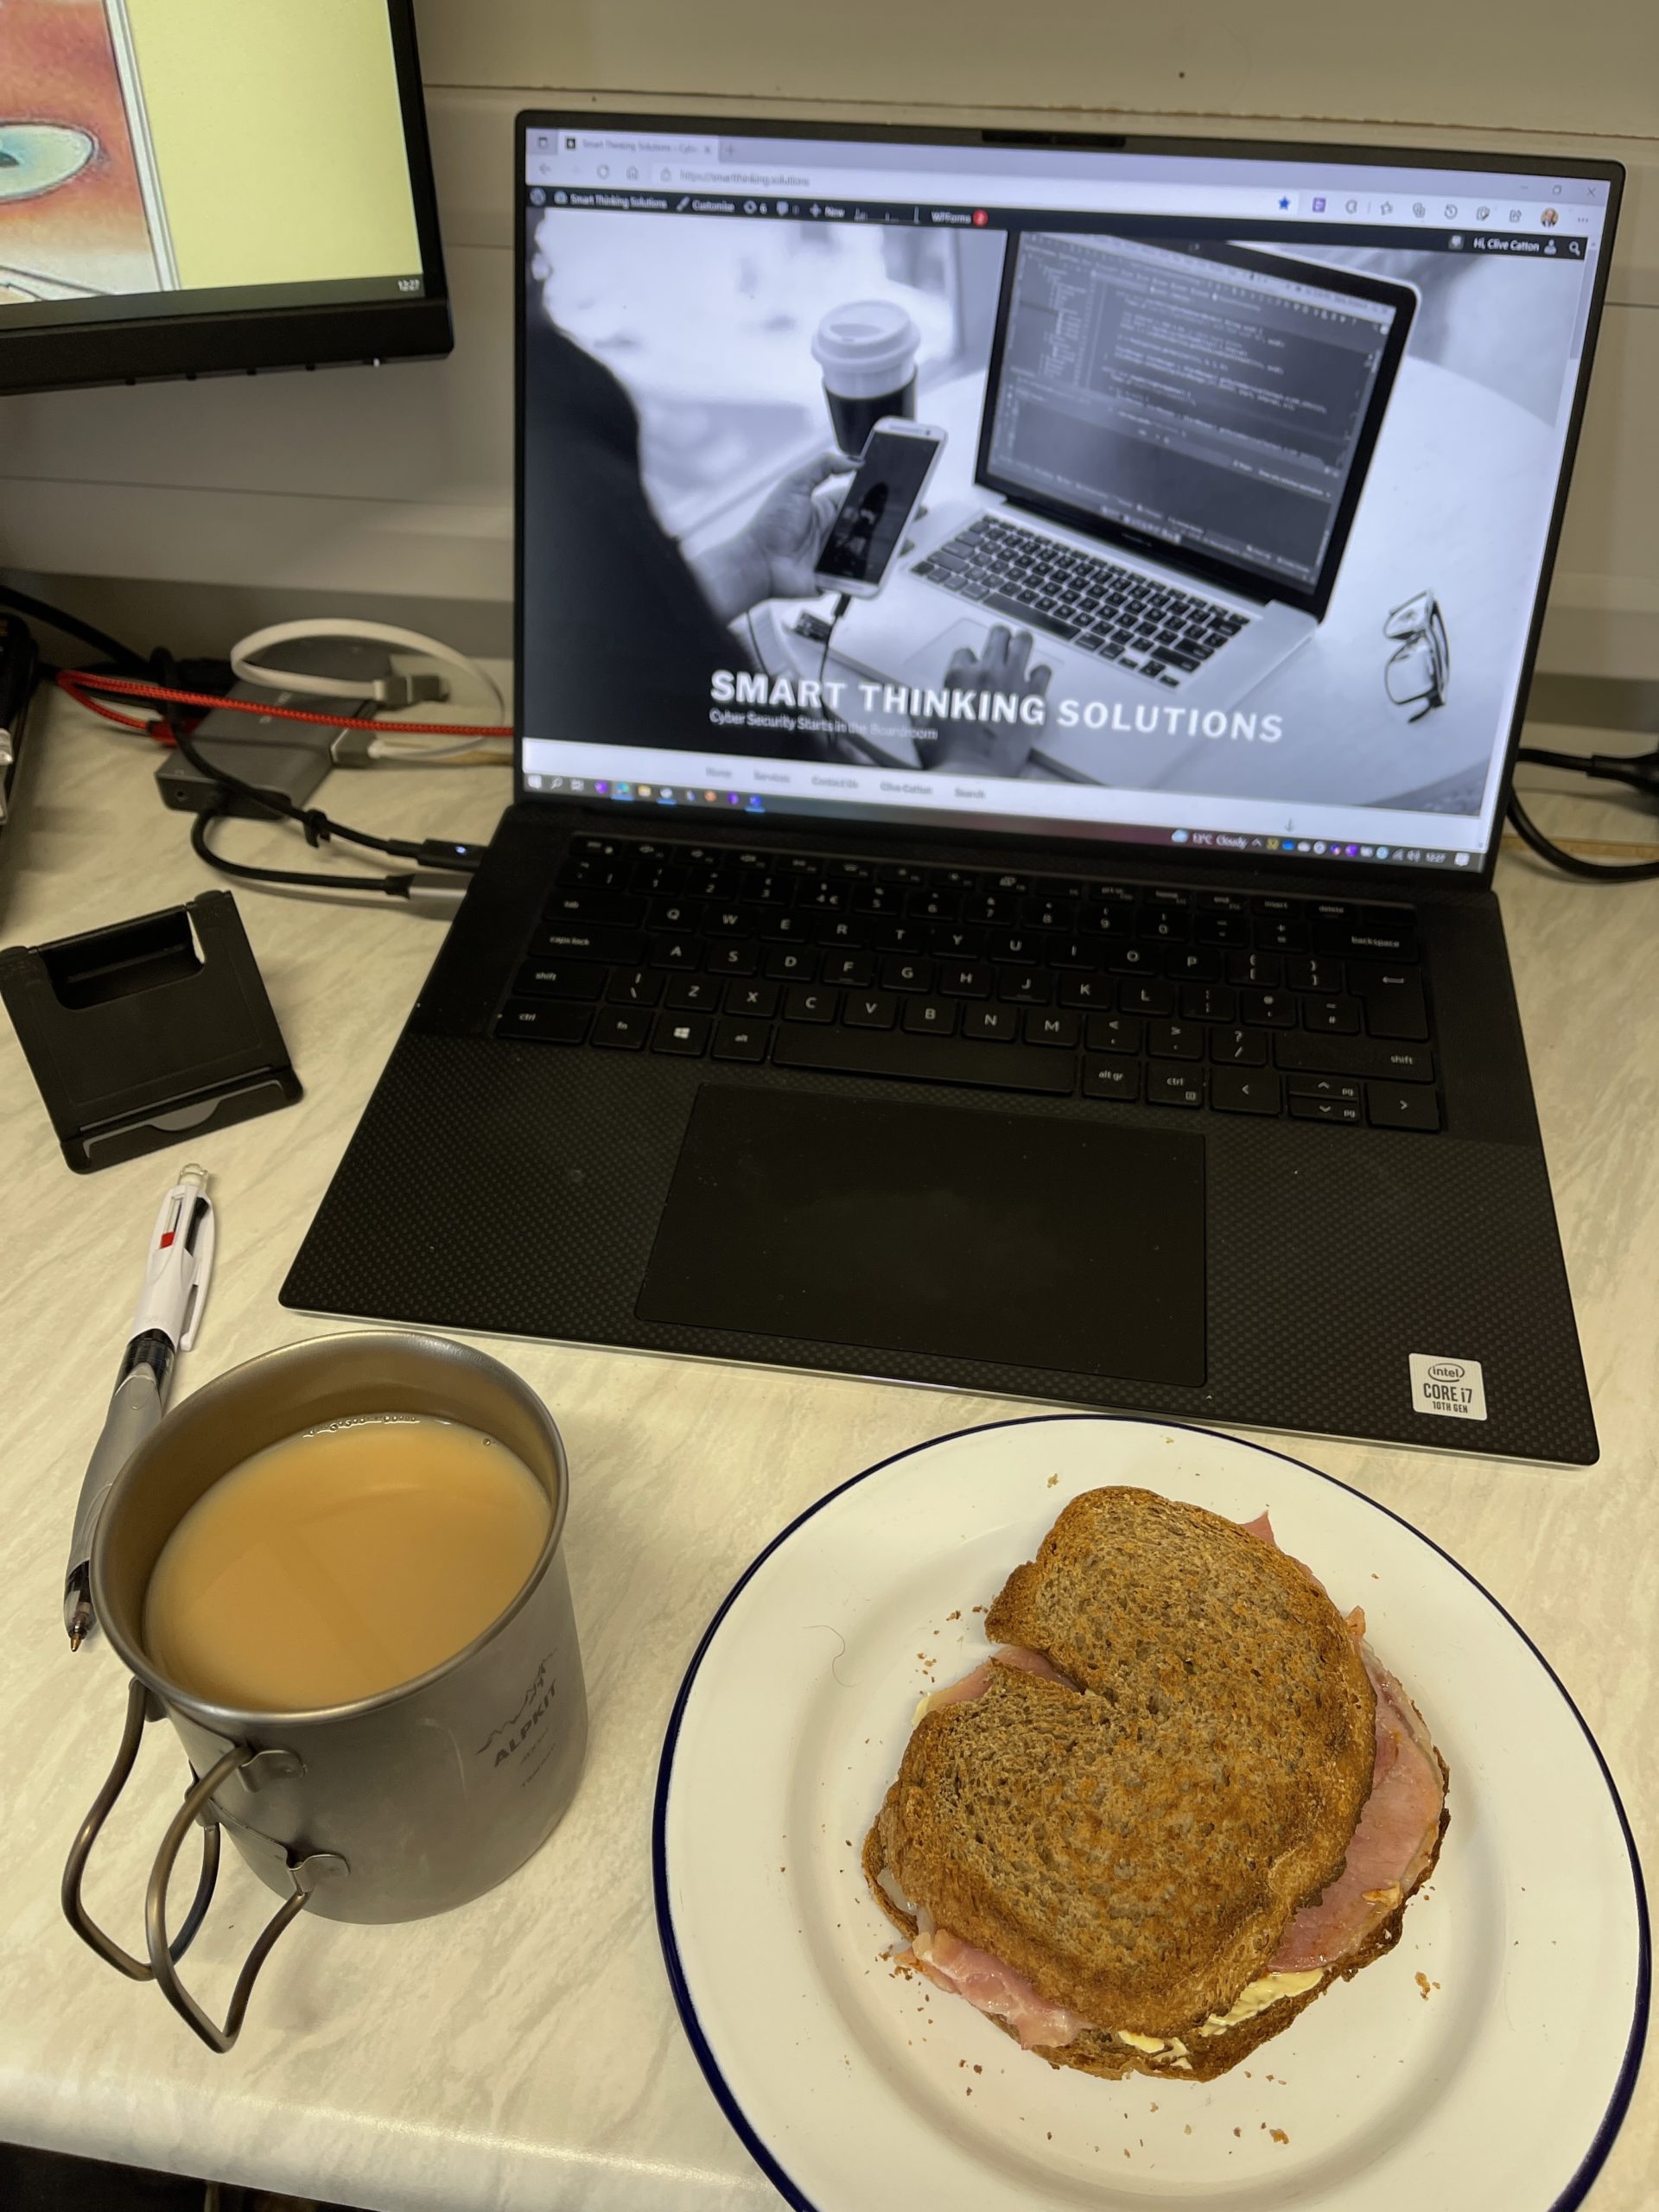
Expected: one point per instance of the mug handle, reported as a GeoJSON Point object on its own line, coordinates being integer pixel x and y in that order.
{"type": "Point", "coordinates": [319, 1866]}
{"type": "Point", "coordinates": [141, 1708]}
{"type": "Point", "coordinates": [164, 1954]}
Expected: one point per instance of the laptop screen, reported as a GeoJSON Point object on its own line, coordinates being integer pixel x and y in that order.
{"type": "Point", "coordinates": [1166, 496]}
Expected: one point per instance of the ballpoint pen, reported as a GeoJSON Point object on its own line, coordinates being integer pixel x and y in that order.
{"type": "Point", "coordinates": [176, 1274]}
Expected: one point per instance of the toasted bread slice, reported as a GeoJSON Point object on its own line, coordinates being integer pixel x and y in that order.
{"type": "Point", "coordinates": [1098, 2050]}
{"type": "Point", "coordinates": [1136, 1846]}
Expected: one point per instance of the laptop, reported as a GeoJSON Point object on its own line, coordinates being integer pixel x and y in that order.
{"type": "Point", "coordinates": [1109, 514]}
{"type": "Point", "coordinates": [874, 975]}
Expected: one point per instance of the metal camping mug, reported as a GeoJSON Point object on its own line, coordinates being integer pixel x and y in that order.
{"type": "Point", "coordinates": [398, 1805]}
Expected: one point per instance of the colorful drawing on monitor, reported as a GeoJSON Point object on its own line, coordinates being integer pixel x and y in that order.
{"type": "Point", "coordinates": [80, 215]}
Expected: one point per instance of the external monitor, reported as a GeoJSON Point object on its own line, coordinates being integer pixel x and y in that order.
{"type": "Point", "coordinates": [189, 187]}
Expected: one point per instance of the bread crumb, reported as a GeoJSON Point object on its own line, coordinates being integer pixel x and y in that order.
{"type": "Point", "coordinates": [1279, 2135]}
{"type": "Point", "coordinates": [1155, 2107]}
{"type": "Point", "coordinates": [979, 1608]}
{"type": "Point", "coordinates": [979, 2070]}
{"type": "Point", "coordinates": [1238, 2131]}
{"type": "Point", "coordinates": [1422, 1984]}
{"type": "Point", "coordinates": [956, 1616]}
{"type": "Point", "coordinates": [1187, 2130]}
{"type": "Point", "coordinates": [1052, 1481]}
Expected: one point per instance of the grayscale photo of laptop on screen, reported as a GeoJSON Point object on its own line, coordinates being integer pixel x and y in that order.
{"type": "Point", "coordinates": [1192, 425]}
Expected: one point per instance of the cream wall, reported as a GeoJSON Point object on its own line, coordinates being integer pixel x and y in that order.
{"type": "Point", "coordinates": [280, 173]}
{"type": "Point", "coordinates": [358, 486]}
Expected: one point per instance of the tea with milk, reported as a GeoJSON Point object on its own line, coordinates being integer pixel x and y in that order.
{"type": "Point", "coordinates": [342, 1561]}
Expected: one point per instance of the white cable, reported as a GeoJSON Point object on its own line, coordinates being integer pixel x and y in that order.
{"type": "Point", "coordinates": [384, 691]}
{"type": "Point", "coordinates": [453, 752]}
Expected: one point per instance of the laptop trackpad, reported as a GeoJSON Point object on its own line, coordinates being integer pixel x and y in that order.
{"type": "Point", "coordinates": [926, 1227]}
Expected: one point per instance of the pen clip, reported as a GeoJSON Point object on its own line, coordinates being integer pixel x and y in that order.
{"type": "Point", "coordinates": [202, 1239]}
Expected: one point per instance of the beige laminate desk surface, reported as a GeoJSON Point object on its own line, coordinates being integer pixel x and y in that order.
{"type": "Point", "coordinates": [524, 2052]}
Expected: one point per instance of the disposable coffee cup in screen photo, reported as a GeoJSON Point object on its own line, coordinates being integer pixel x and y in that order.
{"type": "Point", "coordinates": [867, 350]}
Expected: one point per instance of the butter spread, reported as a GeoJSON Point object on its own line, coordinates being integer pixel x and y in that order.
{"type": "Point", "coordinates": [1256, 1996]}
{"type": "Point", "coordinates": [1253, 1998]}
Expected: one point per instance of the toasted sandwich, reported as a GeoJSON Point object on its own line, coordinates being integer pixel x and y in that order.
{"type": "Point", "coordinates": [1180, 1801]}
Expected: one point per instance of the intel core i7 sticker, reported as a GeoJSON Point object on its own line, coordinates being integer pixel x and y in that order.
{"type": "Point", "coordinates": [1447, 1386]}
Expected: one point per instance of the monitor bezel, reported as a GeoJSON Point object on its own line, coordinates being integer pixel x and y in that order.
{"type": "Point", "coordinates": [244, 341]}
{"type": "Point", "coordinates": [1510, 160]}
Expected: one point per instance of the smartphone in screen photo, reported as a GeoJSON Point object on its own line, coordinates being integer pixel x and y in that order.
{"type": "Point", "coordinates": [898, 459]}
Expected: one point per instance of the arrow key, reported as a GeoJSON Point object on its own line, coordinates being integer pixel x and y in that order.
{"type": "Point", "coordinates": [1243, 1090]}
{"type": "Point", "coordinates": [1401, 1106]}
{"type": "Point", "coordinates": [1344, 1087]}
{"type": "Point", "coordinates": [1335, 1110]}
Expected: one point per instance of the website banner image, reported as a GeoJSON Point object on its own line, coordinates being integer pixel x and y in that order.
{"type": "Point", "coordinates": [1185, 514]}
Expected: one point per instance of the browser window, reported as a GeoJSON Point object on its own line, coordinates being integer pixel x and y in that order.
{"type": "Point", "coordinates": [1240, 475]}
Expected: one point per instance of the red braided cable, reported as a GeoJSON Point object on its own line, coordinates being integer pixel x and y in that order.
{"type": "Point", "coordinates": [77, 683]}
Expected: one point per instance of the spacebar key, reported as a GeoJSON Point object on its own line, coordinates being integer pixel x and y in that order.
{"type": "Point", "coordinates": [923, 1059]}
{"type": "Point", "coordinates": [999, 603]}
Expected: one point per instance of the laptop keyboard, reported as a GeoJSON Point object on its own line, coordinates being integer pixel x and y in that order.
{"type": "Point", "coordinates": [1117, 613]}
{"type": "Point", "coordinates": [1176, 997]}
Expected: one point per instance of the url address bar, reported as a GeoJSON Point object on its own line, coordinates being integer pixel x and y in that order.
{"type": "Point", "coordinates": [913, 187]}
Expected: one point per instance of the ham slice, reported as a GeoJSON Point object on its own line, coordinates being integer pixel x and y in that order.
{"type": "Point", "coordinates": [975, 1685]}
{"type": "Point", "coordinates": [986, 1982]}
{"type": "Point", "coordinates": [1392, 1844]}
{"type": "Point", "coordinates": [1398, 1829]}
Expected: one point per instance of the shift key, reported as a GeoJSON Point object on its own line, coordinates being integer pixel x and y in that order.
{"type": "Point", "coordinates": [1317, 1053]}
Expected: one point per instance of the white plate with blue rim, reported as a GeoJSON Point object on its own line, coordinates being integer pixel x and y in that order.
{"type": "Point", "coordinates": [1487, 2062]}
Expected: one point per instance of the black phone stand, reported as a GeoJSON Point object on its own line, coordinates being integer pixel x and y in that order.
{"type": "Point", "coordinates": [147, 1031]}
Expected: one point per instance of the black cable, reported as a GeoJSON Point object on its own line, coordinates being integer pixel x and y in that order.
{"type": "Point", "coordinates": [392, 886]}
{"type": "Point", "coordinates": [843, 601]}
{"type": "Point", "coordinates": [1594, 871]}
{"type": "Point", "coordinates": [1638, 771]}
{"type": "Point", "coordinates": [440, 852]}
{"type": "Point", "coordinates": [41, 610]}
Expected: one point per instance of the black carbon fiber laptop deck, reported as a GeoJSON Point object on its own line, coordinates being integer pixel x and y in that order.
{"type": "Point", "coordinates": [515, 1188]}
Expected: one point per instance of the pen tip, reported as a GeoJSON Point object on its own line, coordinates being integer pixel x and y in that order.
{"type": "Point", "coordinates": [74, 1639]}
